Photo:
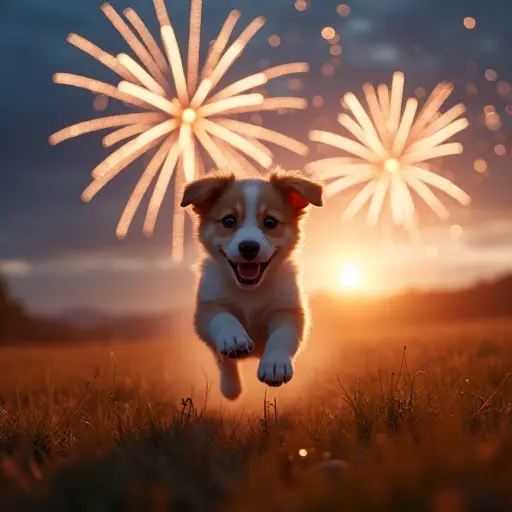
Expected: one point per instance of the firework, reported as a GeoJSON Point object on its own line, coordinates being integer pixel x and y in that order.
{"type": "Point", "coordinates": [183, 113]}
{"type": "Point", "coordinates": [391, 152]}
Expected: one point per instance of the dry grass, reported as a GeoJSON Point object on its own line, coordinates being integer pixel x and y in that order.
{"type": "Point", "coordinates": [116, 427]}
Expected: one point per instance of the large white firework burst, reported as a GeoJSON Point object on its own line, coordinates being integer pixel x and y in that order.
{"type": "Point", "coordinates": [182, 113]}
{"type": "Point", "coordinates": [391, 151]}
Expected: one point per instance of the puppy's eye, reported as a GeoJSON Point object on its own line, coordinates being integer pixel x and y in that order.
{"type": "Point", "coordinates": [270, 222]}
{"type": "Point", "coordinates": [229, 221]}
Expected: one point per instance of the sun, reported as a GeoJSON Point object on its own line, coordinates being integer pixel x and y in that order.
{"type": "Point", "coordinates": [350, 276]}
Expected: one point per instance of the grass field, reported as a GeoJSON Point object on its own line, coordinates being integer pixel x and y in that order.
{"type": "Point", "coordinates": [365, 425]}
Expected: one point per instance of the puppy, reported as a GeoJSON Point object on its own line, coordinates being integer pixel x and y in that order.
{"type": "Point", "coordinates": [249, 300]}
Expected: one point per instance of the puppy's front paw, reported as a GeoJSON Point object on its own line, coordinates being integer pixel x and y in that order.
{"type": "Point", "coordinates": [235, 345]}
{"type": "Point", "coordinates": [275, 371]}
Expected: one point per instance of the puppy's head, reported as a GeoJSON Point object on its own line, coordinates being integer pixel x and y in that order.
{"type": "Point", "coordinates": [251, 225]}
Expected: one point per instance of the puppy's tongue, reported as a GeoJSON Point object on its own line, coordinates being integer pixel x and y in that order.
{"type": "Point", "coordinates": [248, 270]}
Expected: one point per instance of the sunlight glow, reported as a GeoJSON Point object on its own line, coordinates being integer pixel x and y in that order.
{"type": "Point", "coordinates": [350, 276]}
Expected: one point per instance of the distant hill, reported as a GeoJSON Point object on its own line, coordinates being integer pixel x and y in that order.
{"type": "Point", "coordinates": [120, 326]}
{"type": "Point", "coordinates": [17, 326]}
{"type": "Point", "coordinates": [484, 300]}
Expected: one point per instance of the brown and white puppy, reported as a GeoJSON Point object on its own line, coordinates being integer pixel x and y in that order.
{"type": "Point", "coordinates": [249, 300]}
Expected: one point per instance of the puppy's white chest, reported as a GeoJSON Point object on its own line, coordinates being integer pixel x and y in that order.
{"type": "Point", "coordinates": [254, 309]}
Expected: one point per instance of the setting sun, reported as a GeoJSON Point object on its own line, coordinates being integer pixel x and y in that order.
{"type": "Point", "coordinates": [350, 276]}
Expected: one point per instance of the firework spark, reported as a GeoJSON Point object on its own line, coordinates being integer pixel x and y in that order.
{"type": "Point", "coordinates": [391, 152]}
{"type": "Point", "coordinates": [182, 112]}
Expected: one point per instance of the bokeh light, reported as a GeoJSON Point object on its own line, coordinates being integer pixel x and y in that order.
{"type": "Point", "coordinates": [420, 92]}
{"type": "Point", "coordinates": [100, 102]}
{"type": "Point", "coordinates": [343, 10]}
{"type": "Point", "coordinates": [503, 88]}
{"type": "Point", "coordinates": [500, 150]}
{"type": "Point", "coordinates": [480, 165]}
{"type": "Point", "coordinates": [493, 121]}
{"type": "Point", "coordinates": [328, 69]}
{"type": "Point", "coordinates": [274, 41]}
{"type": "Point", "coordinates": [317, 101]}
{"type": "Point", "coordinates": [295, 84]}
{"type": "Point", "coordinates": [301, 5]}
{"type": "Point", "coordinates": [335, 39]}
{"type": "Point", "coordinates": [471, 89]}
{"type": "Point", "coordinates": [491, 75]}
{"type": "Point", "coordinates": [328, 33]}
{"type": "Point", "coordinates": [335, 50]}
{"type": "Point", "coordinates": [469, 22]}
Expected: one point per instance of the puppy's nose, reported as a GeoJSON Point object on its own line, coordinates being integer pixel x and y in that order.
{"type": "Point", "coordinates": [249, 249]}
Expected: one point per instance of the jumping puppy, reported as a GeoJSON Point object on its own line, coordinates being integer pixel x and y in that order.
{"type": "Point", "coordinates": [249, 300]}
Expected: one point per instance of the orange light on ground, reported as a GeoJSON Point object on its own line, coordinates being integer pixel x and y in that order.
{"type": "Point", "coordinates": [480, 165]}
{"type": "Point", "coordinates": [489, 109]}
{"type": "Point", "coordinates": [303, 452]}
{"type": "Point", "coordinates": [469, 23]}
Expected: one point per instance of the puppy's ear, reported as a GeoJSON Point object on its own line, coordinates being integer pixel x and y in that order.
{"type": "Point", "coordinates": [299, 191]}
{"type": "Point", "coordinates": [203, 193]}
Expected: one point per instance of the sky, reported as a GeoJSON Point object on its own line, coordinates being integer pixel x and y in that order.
{"type": "Point", "coordinates": [57, 252]}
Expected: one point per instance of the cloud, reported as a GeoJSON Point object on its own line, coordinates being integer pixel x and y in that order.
{"type": "Point", "coordinates": [15, 268]}
{"type": "Point", "coordinates": [493, 234]}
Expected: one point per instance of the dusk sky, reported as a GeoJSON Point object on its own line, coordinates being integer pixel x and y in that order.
{"type": "Point", "coordinates": [59, 253]}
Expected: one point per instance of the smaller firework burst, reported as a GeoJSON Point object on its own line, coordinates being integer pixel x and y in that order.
{"type": "Point", "coordinates": [392, 151]}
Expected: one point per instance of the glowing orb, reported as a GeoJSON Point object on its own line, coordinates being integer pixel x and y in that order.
{"type": "Point", "coordinates": [189, 115]}
{"type": "Point", "coordinates": [391, 165]}
{"type": "Point", "coordinates": [350, 276]}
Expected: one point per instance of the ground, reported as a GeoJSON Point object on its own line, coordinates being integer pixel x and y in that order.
{"type": "Point", "coordinates": [415, 418]}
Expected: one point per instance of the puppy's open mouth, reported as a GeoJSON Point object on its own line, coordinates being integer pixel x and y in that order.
{"type": "Point", "coordinates": [248, 273]}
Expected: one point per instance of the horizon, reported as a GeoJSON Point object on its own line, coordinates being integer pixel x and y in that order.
{"type": "Point", "coordinates": [320, 293]}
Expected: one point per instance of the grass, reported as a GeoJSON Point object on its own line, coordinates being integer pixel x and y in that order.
{"type": "Point", "coordinates": [412, 419]}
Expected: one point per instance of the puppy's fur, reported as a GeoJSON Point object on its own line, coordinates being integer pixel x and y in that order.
{"type": "Point", "coordinates": [249, 300]}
